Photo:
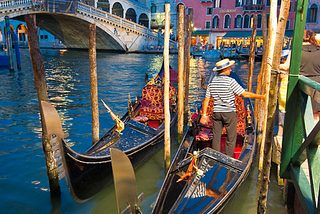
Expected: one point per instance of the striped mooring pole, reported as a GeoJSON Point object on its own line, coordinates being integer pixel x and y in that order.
{"type": "Point", "coordinates": [9, 42]}
{"type": "Point", "coordinates": [17, 50]}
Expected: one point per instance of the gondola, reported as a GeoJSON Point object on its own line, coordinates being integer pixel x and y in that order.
{"type": "Point", "coordinates": [202, 180]}
{"type": "Point", "coordinates": [139, 134]}
{"type": "Point", "coordinates": [246, 54]}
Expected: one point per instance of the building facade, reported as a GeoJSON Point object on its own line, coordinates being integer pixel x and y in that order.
{"type": "Point", "coordinates": [230, 20]}
{"type": "Point", "coordinates": [313, 17]}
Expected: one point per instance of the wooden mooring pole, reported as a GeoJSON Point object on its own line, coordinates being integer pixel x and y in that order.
{"type": "Point", "coordinates": [252, 51]}
{"type": "Point", "coordinates": [94, 83]}
{"type": "Point", "coordinates": [187, 52]}
{"type": "Point", "coordinates": [261, 76]}
{"type": "Point", "coordinates": [41, 86]}
{"type": "Point", "coordinates": [273, 92]}
{"type": "Point", "coordinates": [166, 80]}
{"type": "Point", "coordinates": [180, 69]}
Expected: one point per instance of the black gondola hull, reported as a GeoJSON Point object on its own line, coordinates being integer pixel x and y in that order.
{"type": "Point", "coordinates": [88, 173]}
{"type": "Point", "coordinates": [219, 176]}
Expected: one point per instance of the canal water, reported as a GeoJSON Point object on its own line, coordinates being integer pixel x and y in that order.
{"type": "Point", "coordinates": [24, 184]}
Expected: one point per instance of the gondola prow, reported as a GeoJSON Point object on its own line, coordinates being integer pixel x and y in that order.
{"type": "Point", "coordinates": [119, 124]}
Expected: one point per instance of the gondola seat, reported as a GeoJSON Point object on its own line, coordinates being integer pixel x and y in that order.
{"type": "Point", "coordinates": [152, 101]}
{"type": "Point", "coordinates": [205, 133]}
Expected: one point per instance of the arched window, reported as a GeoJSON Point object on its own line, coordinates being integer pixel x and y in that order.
{"type": "Point", "coordinates": [117, 9]}
{"type": "Point", "coordinates": [259, 24]}
{"type": "Point", "coordinates": [246, 22]}
{"type": "Point", "coordinates": [22, 32]}
{"type": "Point", "coordinates": [312, 13]}
{"type": "Point", "coordinates": [215, 22]}
{"type": "Point", "coordinates": [227, 21]}
{"type": "Point", "coordinates": [238, 22]}
{"type": "Point", "coordinates": [103, 5]}
{"type": "Point", "coordinates": [143, 20]}
{"type": "Point", "coordinates": [131, 15]}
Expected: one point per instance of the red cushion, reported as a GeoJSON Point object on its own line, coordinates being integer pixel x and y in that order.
{"type": "Point", "coordinates": [141, 118]}
{"type": "Point", "coordinates": [153, 113]}
{"type": "Point", "coordinates": [204, 135]}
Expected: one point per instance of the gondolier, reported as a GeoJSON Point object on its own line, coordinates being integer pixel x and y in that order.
{"type": "Point", "coordinates": [222, 89]}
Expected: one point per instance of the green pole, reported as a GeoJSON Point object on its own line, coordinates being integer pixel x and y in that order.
{"type": "Point", "coordinates": [9, 43]}
{"type": "Point", "coordinates": [292, 134]}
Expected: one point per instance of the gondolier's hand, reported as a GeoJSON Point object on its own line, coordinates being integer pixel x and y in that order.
{"type": "Point", "coordinates": [204, 119]}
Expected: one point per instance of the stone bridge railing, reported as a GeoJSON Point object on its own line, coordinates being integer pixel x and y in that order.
{"type": "Point", "coordinates": [114, 20]}
{"type": "Point", "coordinates": [9, 6]}
{"type": "Point", "coordinates": [13, 3]}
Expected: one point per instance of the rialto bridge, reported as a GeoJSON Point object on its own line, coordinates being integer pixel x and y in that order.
{"type": "Point", "coordinates": [120, 26]}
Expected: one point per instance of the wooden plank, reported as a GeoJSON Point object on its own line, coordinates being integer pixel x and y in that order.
{"type": "Point", "coordinates": [302, 188]}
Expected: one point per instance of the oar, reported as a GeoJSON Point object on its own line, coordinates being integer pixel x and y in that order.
{"type": "Point", "coordinates": [124, 182]}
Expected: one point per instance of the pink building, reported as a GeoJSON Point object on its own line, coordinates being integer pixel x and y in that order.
{"type": "Point", "coordinates": [313, 18]}
{"type": "Point", "coordinates": [229, 20]}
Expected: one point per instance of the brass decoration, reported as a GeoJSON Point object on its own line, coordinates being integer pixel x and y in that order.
{"type": "Point", "coordinates": [119, 124]}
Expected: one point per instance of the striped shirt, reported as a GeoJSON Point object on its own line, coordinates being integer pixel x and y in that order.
{"type": "Point", "coordinates": [223, 89]}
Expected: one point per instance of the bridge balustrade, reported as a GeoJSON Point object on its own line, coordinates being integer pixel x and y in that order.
{"type": "Point", "coordinates": [12, 3]}
{"type": "Point", "coordinates": [81, 7]}
{"type": "Point", "coordinates": [78, 8]}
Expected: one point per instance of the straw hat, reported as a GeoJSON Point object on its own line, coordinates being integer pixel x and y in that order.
{"type": "Point", "coordinates": [223, 64]}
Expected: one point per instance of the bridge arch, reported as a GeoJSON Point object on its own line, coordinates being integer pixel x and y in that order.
{"type": "Point", "coordinates": [143, 20]}
{"type": "Point", "coordinates": [131, 15]}
{"type": "Point", "coordinates": [104, 5]}
{"type": "Point", "coordinates": [21, 32]}
{"type": "Point", "coordinates": [117, 9]}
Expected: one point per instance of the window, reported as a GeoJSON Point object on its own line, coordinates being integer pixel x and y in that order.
{"type": "Point", "coordinates": [153, 8]}
{"type": "Point", "coordinates": [268, 15]}
{"type": "Point", "coordinates": [189, 11]}
{"type": "Point", "coordinates": [209, 11]}
{"type": "Point", "coordinates": [290, 6]}
{"type": "Point", "coordinates": [259, 23]}
{"type": "Point", "coordinates": [288, 25]}
{"type": "Point", "coordinates": [268, 3]}
{"type": "Point", "coordinates": [238, 3]}
{"type": "Point", "coordinates": [216, 3]}
{"type": "Point", "coordinates": [279, 2]}
{"type": "Point", "coordinates": [312, 13]}
{"type": "Point", "coordinates": [215, 22]}
{"type": "Point", "coordinates": [246, 21]}
{"type": "Point", "coordinates": [208, 23]}
{"type": "Point", "coordinates": [227, 21]}
{"type": "Point", "coordinates": [238, 22]}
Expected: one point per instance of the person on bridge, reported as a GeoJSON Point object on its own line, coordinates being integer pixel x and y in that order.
{"type": "Point", "coordinates": [222, 89]}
